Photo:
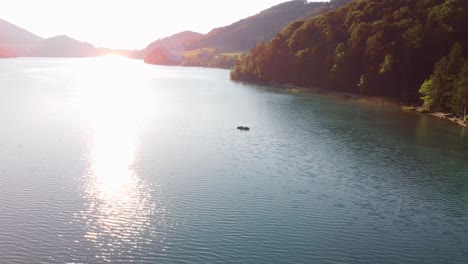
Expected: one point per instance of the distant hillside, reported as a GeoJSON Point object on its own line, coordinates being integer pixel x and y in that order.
{"type": "Point", "coordinates": [175, 42]}
{"type": "Point", "coordinates": [15, 41]}
{"type": "Point", "coordinates": [247, 33]}
{"type": "Point", "coordinates": [222, 46]}
{"type": "Point", "coordinates": [63, 46]}
{"type": "Point", "coordinates": [163, 57]}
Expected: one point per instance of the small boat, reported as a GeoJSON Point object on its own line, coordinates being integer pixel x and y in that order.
{"type": "Point", "coordinates": [243, 128]}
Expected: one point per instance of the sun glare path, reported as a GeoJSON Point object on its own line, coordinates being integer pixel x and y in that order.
{"type": "Point", "coordinates": [114, 105]}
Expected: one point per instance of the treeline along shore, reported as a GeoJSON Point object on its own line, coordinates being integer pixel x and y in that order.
{"type": "Point", "coordinates": [413, 51]}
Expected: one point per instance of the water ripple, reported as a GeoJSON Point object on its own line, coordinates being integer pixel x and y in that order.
{"type": "Point", "coordinates": [143, 164]}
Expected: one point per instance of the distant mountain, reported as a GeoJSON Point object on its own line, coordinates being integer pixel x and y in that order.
{"type": "Point", "coordinates": [15, 41]}
{"type": "Point", "coordinates": [247, 33]}
{"type": "Point", "coordinates": [163, 56]}
{"type": "Point", "coordinates": [63, 46]}
{"type": "Point", "coordinates": [222, 46]}
{"type": "Point", "coordinates": [175, 42]}
{"type": "Point", "coordinates": [18, 42]}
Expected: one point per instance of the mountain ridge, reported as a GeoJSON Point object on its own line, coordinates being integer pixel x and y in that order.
{"type": "Point", "coordinates": [15, 40]}
{"type": "Point", "coordinates": [18, 42]}
{"type": "Point", "coordinates": [244, 34]}
{"type": "Point", "coordinates": [62, 46]}
{"type": "Point", "coordinates": [223, 45]}
{"type": "Point", "coordinates": [174, 42]}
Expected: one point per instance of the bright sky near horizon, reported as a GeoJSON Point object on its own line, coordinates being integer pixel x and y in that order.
{"type": "Point", "coordinates": [130, 24]}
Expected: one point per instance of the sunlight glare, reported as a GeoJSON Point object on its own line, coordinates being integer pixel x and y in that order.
{"type": "Point", "coordinates": [113, 102]}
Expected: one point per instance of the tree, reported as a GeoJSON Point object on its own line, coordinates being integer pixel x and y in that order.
{"type": "Point", "coordinates": [446, 90]}
{"type": "Point", "coordinates": [461, 99]}
{"type": "Point", "coordinates": [427, 92]}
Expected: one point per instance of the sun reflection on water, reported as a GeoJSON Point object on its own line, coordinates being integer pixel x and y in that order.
{"type": "Point", "coordinates": [114, 103]}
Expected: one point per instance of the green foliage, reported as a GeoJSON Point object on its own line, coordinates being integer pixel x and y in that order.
{"type": "Point", "coordinates": [414, 35]}
{"type": "Point", "coordinates": [447, 88]}
{"type": "Point", "coordinates": [427, 91]}
{"type": "Point", "coordinates": [374, 47]}
{"type": "Point", "coordinates": [438, 92]}
{"type": "Point", "coordinates": [387, 64]}
{"type": "Point", "coordinates": [460, 102]}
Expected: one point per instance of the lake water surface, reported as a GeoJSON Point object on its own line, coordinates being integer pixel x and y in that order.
{"type": "Point", "coordinates": [111, 160]}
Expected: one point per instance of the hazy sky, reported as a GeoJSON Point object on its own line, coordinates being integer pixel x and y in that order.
{"type": "Point", "coordinates": [126, 23]}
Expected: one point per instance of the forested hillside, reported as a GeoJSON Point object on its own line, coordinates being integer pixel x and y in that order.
{"type": "Point", "coordinates": [373, 47]}
{"type": "Point", "coordinates": [447, 88]}
{"type": "Point", "coordinates": [221, 46]}
{"type": "Point", "coordinates": [245, 34]}
{"type": "Point", "coordinates": [175, 42]}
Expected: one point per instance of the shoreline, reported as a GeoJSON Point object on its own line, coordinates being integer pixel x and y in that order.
{"type": "Point", "coordinates": [365, 99]}
{"type": "Point", "coordinates": [446, 116]}
{"type": "Point", "coordinates": [450, 117]}
{"type": "Point", "coordinates": [335, 94]}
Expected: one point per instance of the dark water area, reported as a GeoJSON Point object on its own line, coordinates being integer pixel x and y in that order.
{"type": "Point", "coordinates": [111, 160]}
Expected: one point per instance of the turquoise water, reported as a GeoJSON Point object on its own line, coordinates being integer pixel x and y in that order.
{"type": "Point", "coordinates": [111, 160]}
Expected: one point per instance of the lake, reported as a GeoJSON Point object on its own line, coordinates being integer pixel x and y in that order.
{"type": "Point", "coordinates": [112, 160]}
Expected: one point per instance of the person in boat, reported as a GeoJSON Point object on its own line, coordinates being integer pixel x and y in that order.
{"type": "Point", "coordinates": [243, 128]}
